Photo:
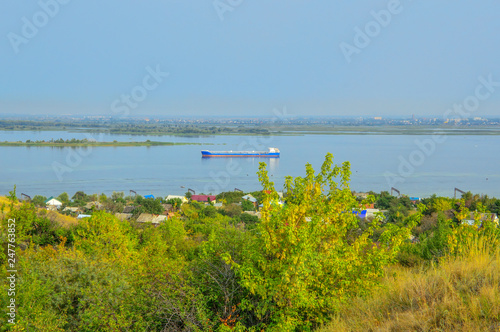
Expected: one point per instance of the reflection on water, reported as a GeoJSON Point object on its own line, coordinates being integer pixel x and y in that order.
{"type": "Point", "coordinates": [272, 163]}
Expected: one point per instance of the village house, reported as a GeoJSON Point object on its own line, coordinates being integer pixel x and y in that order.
{"type": "Point", "coordinates": [203, 198]}
{"type": "Point", "coordinates": [367, 213]}
{"type": "Point", "coordinates": [94, 205]}
{"type": "Point", "coordinates": [361, 195]}
{"type": "Point", "coordinates": [72, 209]}
{"type": "Point", "coordinates": [251, 199]}
{"type": "Point", "coordinates": [128, 209]}
{"type": "Point", "coordinates": [123, 216]}
{"type": "Point", "coordinates": [154, 219]}
{"type": "Point", "coordinates": [53, 204]}
{"type": "Point", "coordinates": [182, 198]}
{"type": "Point", "coordinates": [482, 217]}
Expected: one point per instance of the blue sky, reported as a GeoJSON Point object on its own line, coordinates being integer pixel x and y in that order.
{"type": "Point", "coordinates": [260, 56]}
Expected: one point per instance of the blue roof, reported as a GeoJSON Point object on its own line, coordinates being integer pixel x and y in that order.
{"type": "Point", "coordinates": [149, 196]}
{"type": "Point", "coordinates": [361, 214]}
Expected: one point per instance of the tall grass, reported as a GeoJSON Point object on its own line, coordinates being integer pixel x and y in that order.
{"type": "Point", "coordinates": [461, 293]}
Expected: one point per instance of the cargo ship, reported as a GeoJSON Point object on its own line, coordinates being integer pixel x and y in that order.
{"type": "Point", "coordinates": [270, 153]}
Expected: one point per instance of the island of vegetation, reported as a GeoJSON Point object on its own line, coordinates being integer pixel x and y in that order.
{"type": "Point", "coordinates": [308, 258]}
{"type": "Point", "coordinates": [89, 143]}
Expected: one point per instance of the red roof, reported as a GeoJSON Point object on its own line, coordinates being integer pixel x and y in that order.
{"type": "Point", "coordinates": [203, 198]}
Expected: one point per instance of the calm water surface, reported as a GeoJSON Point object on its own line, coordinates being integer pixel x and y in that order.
{"type": "Point", "coordinates": [377, 163]}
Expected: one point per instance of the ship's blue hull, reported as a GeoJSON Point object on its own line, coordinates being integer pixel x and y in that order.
{"type": "Point", "coordinates": [264, 154]}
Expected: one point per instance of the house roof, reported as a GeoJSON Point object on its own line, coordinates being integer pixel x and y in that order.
{"type": "Point", "coordinates": [123, 216]}
{"type": "Point", "coordinates": [128, 209]}
{"type": "Point", "coordinates": [250, 198]}
{"type": "Point", "coordinates": [72, 209]}
{"type": "Point", "coordinates": [203, 198]}
{"type": "Point", "coordinates": [53, 201]}
{"type": "Point", "coordinates": [98, 205]}
{"type": "Point", "coordinates": [152, 218]}
{"type": "Point", "coordinates": [182, 198]}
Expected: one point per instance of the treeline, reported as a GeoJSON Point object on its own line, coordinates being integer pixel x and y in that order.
{"type": "Point", "coordinates": [62, 141]}
{"type": "Point", "coordinates": [209, 269]}
{"type": "Point", "coordinates": [138, 127]}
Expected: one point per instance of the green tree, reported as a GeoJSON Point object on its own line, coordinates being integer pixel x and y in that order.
{"type": "Point", "coordinates": [310, 255]}
{"type": "Point", "coordinates": [249, 220]}
{"type": "Point", "coordinates": [384, 200]}
{"type": "Point", "coordinates": [247, 206]}
{"type": "Point", "coordinates": [39, 200]}
{"type": "Point", "coordinates": [80, 196]}
{"type": "Point", "coordinates": [441, 204]}
{"type": "Point", "coordinates": [118, 197]}
{"type": "Point", "coordinates": [209, 211]}
{"type": "Point", "coordinates": [232, 210]}
{"type": "Point", "coordinates": [12, 195]}
{"type": "Point", "coordinates": [152, 205]}
{"type": "Point", "coordinates": [103, 198]}
{"type": "Point", "coordinates": [176, 203]}
{"type": "Point", "coordinates": [230, 196]}
{"type": "Point", "coordinates": [64, 198]}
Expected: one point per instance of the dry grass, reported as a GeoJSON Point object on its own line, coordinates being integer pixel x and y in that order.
{"type": "Point", "coordinates": [61, 219]}
{"type": "Point", "coordinates": [461, 294]}
{"type": "Point", "coordinates": [5, 203]}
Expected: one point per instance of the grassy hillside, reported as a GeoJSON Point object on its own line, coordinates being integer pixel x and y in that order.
{"type": "Point", "coordinates": [461, 293]}
{"type": "Point", "coordinates": [61, 219]}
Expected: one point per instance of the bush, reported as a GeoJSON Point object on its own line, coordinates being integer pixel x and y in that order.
{"type": "Point", "coordinates": [308, 256]}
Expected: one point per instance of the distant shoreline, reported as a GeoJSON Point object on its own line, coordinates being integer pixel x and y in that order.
{"type": "Point", "coordinates": [258, 127]}
{"type": "Point", "coordinates": [286, 131]}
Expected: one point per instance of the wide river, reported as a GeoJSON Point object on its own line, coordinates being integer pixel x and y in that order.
{"type": "Point", "coordinates": [416, 165]}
